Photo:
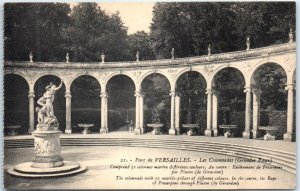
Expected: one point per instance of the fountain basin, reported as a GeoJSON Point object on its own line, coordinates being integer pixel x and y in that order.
{"type": "Point", "coordinates": [156, 128]}
{"type": "Point", "coordinates": [191, 128]}
{"type": "Point", "coordinates": [269, 132]}
{"type": "Point", "coordinates": [13, 129]}
{"type": "Point", "coordinates": [85, 127]}
{"type": "Point", "coordinates": [228, 130]}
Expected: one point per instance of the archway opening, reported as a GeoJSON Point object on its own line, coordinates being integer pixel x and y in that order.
{"type": "Point", "coordinates": [271, 79]}
{"type": "Point", "coordinates": [86, 103]}
{"type": "Point", "coordinates": [16, 106]}
{"type": "Point", "coordinates": [191, 87]}
{"type": "Point", "coordinates": [121, 102]}
{"type": "Point", "coordinates": [229, 85]}
{"type": "Point", "coordinates": [59, 103]}
{"type": "Point", "coordinates": [157, 102]}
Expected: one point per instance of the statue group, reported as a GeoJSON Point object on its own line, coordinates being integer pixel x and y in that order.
{"type": "Point", "coordinates": [46, 118]}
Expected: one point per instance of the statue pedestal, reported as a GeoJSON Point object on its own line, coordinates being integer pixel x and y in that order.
{"type": "Point", "coordinates": [47, 160]}
{"type": "Point", "coordinates": [47, 149]}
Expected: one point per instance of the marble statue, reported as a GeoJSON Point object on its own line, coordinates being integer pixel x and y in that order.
{"type": "Point", "coordinates": [46, 118]}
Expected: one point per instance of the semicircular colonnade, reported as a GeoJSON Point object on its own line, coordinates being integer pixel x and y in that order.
{"type": "Point", "coordinates": [247, 62]}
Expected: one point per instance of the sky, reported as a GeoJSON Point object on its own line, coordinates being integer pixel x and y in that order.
{"type": "Point", "coordinates": [137, 16]}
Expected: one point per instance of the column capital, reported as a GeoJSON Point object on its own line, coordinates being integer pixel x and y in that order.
{"type": "Point", "coordinates": [68, 95]}
{"type": "Point", "coordinates": [256, 91]}
{"type": "Point", "coordinates": [247, 89]}
{"type": "Point", "coordinates": [31, 94]}
{"type": "Point", "coordinates": [289, 87]}
{"type": "Point", "coordinates": [137, 93]}
{"type": "Point", "coordinates": [103, 95]}
{"type": "Point", "coordinates": [172, 93]}
{"type": "Point", "coordinates": [208, 91]}
{"type": "Point", "coordinates": [214, 91]}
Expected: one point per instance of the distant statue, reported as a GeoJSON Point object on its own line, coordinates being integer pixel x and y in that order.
{"type": "Point", "coordinates": [67, 58]}
{"type": "Point", "coordinates": [248, 43]}
{"type": "Point", "coordinates": [173, 53]}
{"type": "Point", "coordinates": [46, 117]}
{"type": "Point", "coordinates": [209, 50]}
{"type": "Point", "coordinates": [30, 57]}
{"type": "Point", "coordinates": [102, 57]}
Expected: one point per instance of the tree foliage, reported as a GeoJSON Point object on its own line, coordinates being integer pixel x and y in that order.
{"type": "Point", "coordinates": [140, 41]}
{"type": "Point", "coordinates": [93, 32]}
{"type": "Point", "coordinates": [34, 27]}
{"type": "Point", "coordinates": [191, 27]}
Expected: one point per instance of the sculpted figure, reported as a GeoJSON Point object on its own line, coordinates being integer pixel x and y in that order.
{"type": "Point", "coordinates": [46, 117]}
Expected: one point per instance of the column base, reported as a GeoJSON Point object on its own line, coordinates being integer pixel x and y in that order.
{"type": "Point", "coordinates": [247, 134]}
{"type": "Point", "coordinates": [103, 130]}
{"type": "Point", "coordinates": [255, 134]}
{"type": "Point", "coordinates": [172, 131]}
{"type": "Point", "coordinates": [68, 131]}
{"type": "Point", "coordinates": [178, 131]}
{"type": "Point", "coordinates": [137, 131]}
{"type": "Point", "coordinates": [215, 131]}
{"type": "Point", "coordinates": [208, 132]}
{"type": "Point", "coordinates": [287, 137]}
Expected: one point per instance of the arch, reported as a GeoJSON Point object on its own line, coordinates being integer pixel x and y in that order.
{"type": "Point", "coordinates": [121, 102]}
{"type": "Point", "coordinates": [189, 70]}
{"type": "Point", "coordinates": [260, 64]}
{"type": "Point", "coordinates": [294, 78]}
{"type": "Point", "coordinates": [59, 103]}
{"type": "Point", "coordinates": [215, 73]}
{"type": "Point", "coordinates": [47, 74]}
{"type": "Point", "coordinates": [86, 103]}
{"type": "Point", "coordinates": [109, 77]}
{"type": "Point", "coordinates": [15, 102]}
{"type": "Point", "coordinates": [157, 100]}
{"type": "Point", "coordinates": [82, 74]}
{"type": "Point", "coordinates": [155, 72]}
{"type": "Point", "coordinates": [210, 84]}
{"type": "Point", "coordinates": [251, 73]}
{"type": "Point", "coordinates": [20, 74]}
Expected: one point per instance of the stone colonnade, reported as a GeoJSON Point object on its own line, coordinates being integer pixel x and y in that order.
{"type": "Point", "coordinates": [252, 95]}
{"type": "Point", "coordinates": [252, 98]}
{"type": "Point", "coordinates": [247, 62]}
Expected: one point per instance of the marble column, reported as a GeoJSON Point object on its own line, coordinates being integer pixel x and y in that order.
{"type": "Point", "coordinates": [172, 130]}
{"type": "Point", "coordinates": [31, 112]}
{"type": "Point", "coordinates": [247, 133]}
{"type": "Point", "coordinates": [137, 129]}
{"type": "Point", "coordinates": [68, 97]}
{"type": "Point", "coordinates": [141, 103]}
{"type": "Point", "coordinates": [208, 131]}
{"type": "Point", "coordinates": [177, 113]}
{"type": "Point", "coordinates": [256, 112]}
{"type": "Point", "coordinates": [104, 112]}
{"type": "Point", "coordinates": [290, 113]}
{"type": "Point", "coordinates": [215, 108]}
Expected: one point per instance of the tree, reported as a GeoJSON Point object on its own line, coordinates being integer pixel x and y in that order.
{"type": "Point", "coordinates": [271, 80]}
{"type": "Point", "coordinates": [191, 27]}
{"type": "Point", "coordinates": [92, 32]}
{"type": "Point", "coordinates": [34, 27]}
{"type": "Point", "coordinates": [266, 23]}
{"type": "Point", "coordinates": [140, 41]}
